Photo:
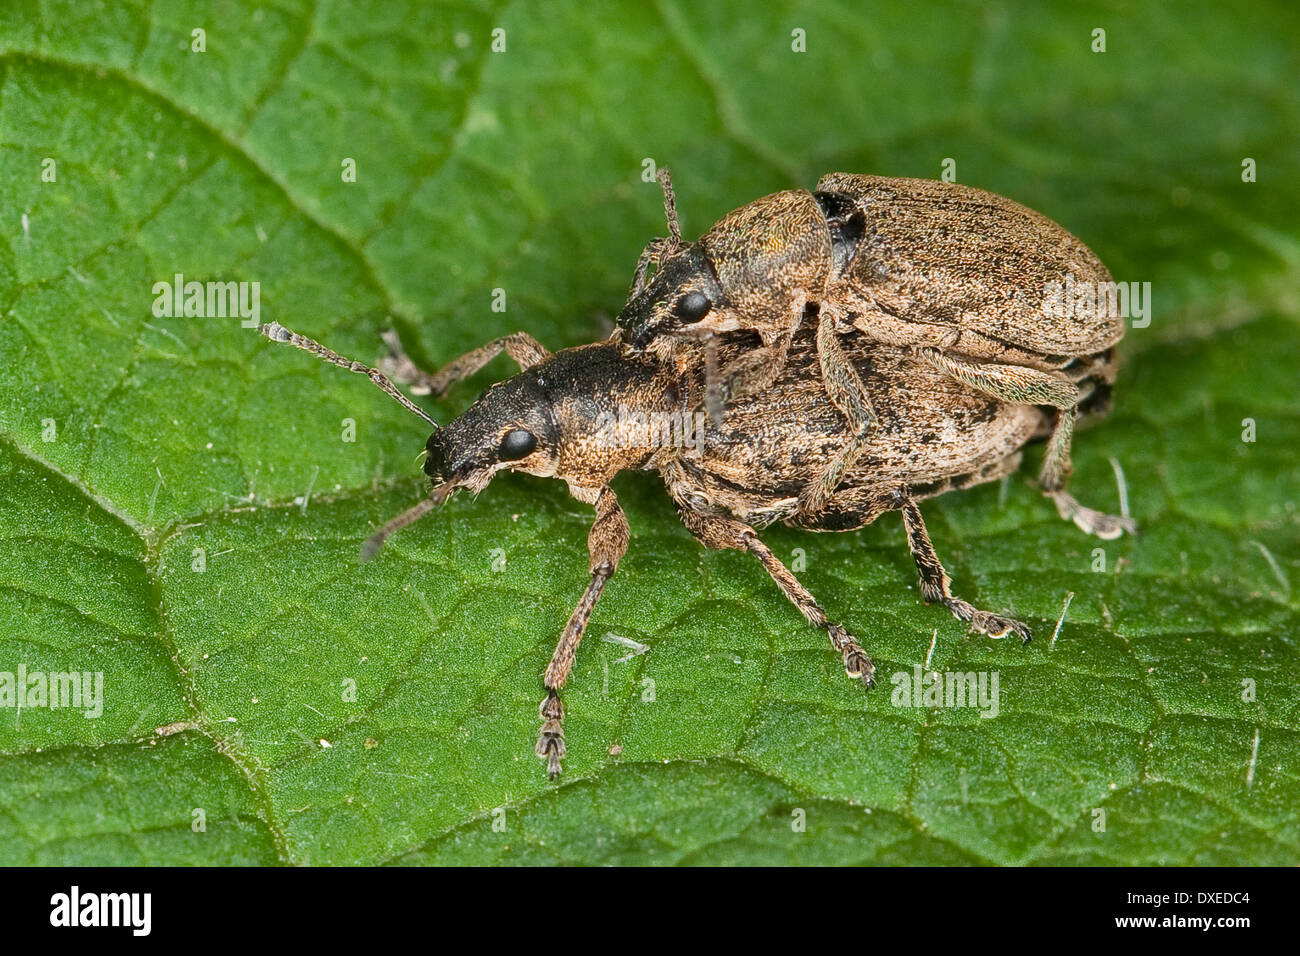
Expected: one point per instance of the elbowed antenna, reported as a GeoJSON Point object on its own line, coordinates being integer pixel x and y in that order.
{"type": "Point", "coordinates": [670, 207]}
{"type": "Point", "coordinates": [278, 333]}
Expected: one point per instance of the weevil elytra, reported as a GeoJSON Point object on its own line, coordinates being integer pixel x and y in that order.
{"type": "Point", "coordinates": [580, 414]}
{"type": "Point", "coordinates": [958, 274]}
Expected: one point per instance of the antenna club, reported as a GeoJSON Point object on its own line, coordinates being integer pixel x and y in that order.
{"type": "Point", "coordinates": [276, 332]}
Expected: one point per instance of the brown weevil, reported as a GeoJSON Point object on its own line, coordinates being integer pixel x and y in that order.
{"type": "Point", "coordinates": [957, 274]}
{"type": "Point", "coordinates": [581, 415]}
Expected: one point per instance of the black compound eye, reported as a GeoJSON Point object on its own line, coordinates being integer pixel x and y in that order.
{"type": "Point", "coordinates": [692, 307]}
{"type": "Point", "coordinates": [517, 443]}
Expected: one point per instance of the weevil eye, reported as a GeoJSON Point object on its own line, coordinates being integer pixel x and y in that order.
{"type": "Point", "coordinates": [517, 443]}
{"type": "Point", "coordinates": [692, 307]}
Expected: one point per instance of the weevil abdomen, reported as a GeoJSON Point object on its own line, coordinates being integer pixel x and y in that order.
{"type": "Point", "coordinates": [933, 433]}
{"type": "Point", "coordinates": [959, 268]}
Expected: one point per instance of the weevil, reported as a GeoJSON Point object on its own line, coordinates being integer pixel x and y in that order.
{"type": "Point", "coordinates": [956, 274]}
{"type": "Point", "coordinates": [579, 415]}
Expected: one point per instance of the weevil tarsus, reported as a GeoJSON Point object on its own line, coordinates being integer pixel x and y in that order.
{"type": "Point", "coordinates": [856, 662]}
{"type": "Point", "coordinates": [720, 532]}
{"type": "Point", "coordinates": [606, 544]}
{"type": "Point", "coordinates": [1056, 467]}
{"type": "Point", "coordinates": [935, 581]}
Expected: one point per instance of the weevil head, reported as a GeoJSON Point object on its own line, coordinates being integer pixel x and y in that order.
{"type": "Point", "coordinates": [684, 296]}
{"type": "Point", "coordinates": [512, 426]}
{"type": "Point", "coordinates": [580, 415]}
{"type": "Point", "coordinates": [755, 269]}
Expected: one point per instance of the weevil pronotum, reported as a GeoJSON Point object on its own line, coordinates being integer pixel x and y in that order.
{"type": "Point", "coordinates": [958, 274]}
{"type": "Point", "coordinates": [579, 415]}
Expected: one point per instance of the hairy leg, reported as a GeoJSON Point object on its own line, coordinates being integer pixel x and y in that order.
{"type": "Point", "coordinates": [757, 369]}
{"type": "Point", "coordinates": [719, 532]}
{"type": "Point", "coordinates": [606, 543]}
{"type": "Point", "coordinates": [520, 346]}
{"type": "Point", "coordinates": [1027, 386]}
{"type": "Point", "coordinates": [849, 395]}
{"type": "Point", "coordinates": [935, 580]}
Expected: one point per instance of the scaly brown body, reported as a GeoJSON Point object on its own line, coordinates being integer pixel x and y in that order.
{"type": "Point", "coordinates": [933, 434]}
{"type": "Point", "coordinates": [580, 415]}
{"type": "Point", "coordinates": [963, 269]}
{"type": "Point", "coordinates": [959, 275]}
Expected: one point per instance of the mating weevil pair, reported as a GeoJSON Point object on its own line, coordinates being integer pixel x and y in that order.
{"type": "Point", "coordinates": [830, 419]}
{"type": "Point", "coordinates": [957, 274]}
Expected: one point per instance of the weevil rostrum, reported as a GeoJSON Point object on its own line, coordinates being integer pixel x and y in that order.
{"type": "Point", "coordinates": [958, 274]}
{"type": "Point", "coordinates": [580, 414]}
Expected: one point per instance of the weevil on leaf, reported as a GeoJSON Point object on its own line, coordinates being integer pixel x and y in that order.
{"type": "Point", "coordinates": [580, 415]}
{"type": "Point", "coordinates": [961, 276]}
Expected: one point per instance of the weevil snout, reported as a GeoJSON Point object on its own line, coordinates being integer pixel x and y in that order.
{"type": "Point", "coordinates": [511, 426]}
{"type": "Point", "coordinates": [437, 459]}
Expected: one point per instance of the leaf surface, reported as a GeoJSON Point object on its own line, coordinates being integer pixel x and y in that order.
{"type": "Point", "coordinates": [182, 513]}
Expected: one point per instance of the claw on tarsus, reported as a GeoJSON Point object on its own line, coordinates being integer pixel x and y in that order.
{"type": "Point", "coordinates": [550, 740]}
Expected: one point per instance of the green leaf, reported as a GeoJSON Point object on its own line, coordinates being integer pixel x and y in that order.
{"type": "Point", "coordinates": [182, 513]}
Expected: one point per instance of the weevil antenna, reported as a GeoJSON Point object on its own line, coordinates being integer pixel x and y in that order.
{"type": "Point", "coordinates": [278, 333]}
{"type": "Point", "coordinates": [370, 547]}
{"type": "Point", "coordinates": [670, 205]}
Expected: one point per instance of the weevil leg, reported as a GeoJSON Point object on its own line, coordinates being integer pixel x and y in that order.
{"type": "Point", "coordinates": [520, 346]}
{"type": "Point", "coordinates": [847, 393]}
{"type": "Point", "coordinates": [1027, 386]}
{"type": "Point", "coordinates": [751, 373]}
{"type": "Point", "coordinates": [935, 580]}
{"type": "Point", "coordinates": [652, 254]}
{"type": "Point", "coordinates": [758, 368]}
{"type": "Point", "coordinates": [717, 532]}
{"type": "Point", "coordinates": [606, 543]}
{"type": "Point", "coordinates": [1051, 478]}
{"type": "Point", "coordinates": [1009, 383]}
{"type": "Point", "coordinates": [754, 372]}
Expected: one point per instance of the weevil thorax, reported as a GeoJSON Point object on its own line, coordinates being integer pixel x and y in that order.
{"type": "Point", "coordinates": [771, 254]}
{"type": "Point", "coordinates": [752, 270]}
{"type": "Point", "coordinates": [582, 415]}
